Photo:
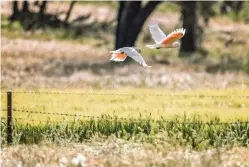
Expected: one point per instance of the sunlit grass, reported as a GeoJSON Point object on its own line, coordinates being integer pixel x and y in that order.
{"type": "Point", "coordinates": [199, 119]}
{"type": "Point", "coordinates": [227, 104]}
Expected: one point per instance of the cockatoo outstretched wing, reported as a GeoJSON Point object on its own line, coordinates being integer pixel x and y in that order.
{"type": "Point", "coordinates": [174, 36]}
{"type": "Point", "coordinates": [118, 55]}
{"type": "Point", "coordinates": [156, 33]}
{"type": "Point", "coordinates": [131, 52]}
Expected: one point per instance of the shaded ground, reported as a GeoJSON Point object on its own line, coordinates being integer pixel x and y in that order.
{"type": "Point", "coordinates": [115, 152]}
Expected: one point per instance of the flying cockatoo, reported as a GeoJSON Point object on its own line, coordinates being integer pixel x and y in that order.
{"type": "Point", "coordinates": [163, 41]}
{"type": "Point", "coordinates": [133, 52]}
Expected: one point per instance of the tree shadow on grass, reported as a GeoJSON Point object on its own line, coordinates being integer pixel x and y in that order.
{"type": "Point", "coordinates": [77, 28]}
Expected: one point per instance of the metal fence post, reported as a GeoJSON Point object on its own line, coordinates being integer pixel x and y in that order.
{"type": "Point", "coordinates": [9, 117]}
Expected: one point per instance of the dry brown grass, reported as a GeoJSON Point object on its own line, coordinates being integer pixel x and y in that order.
{"type": "Point", "coordinates": [116, 152]}
{"type": "Point", "coordinates": [59, 64]}
{"type": "Point", "coordinates": [52, 63]}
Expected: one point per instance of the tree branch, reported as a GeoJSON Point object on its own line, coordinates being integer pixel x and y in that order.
{"type": "Point", "coordinates": [140, 19]}
{"type": "Point", "coordinates": [69, 11]}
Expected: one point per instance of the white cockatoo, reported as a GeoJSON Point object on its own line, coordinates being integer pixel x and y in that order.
{"type": "Point", "coordinates": [163, 41]}
{"type": "Point", "coordinates": [133, 52]}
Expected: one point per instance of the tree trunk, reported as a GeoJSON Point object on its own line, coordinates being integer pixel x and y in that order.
{"type": "Point", "coordinates": [139, 21]}
{"type": "Point", "coordinates": [190, 24]}
{"type": "Point", "coordinates": [15, 11]}
{"type": "Point", "coordinates": [69, 11]}
{"type": "Point", "coordinates": [120, 13]}
{"type": "Point", "coordinates": [131, 18]}
{"type": "Point", "coordinates": [42, 10]}
{"type": "Point", "coordinates": [25, 6]}
{"type": "Point", "coordinates": [129, 12]}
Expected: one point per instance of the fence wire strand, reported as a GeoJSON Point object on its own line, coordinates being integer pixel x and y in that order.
{"type": "Point", "coordinates": [38, 121]}
{"type": "Point", "coordinates": [78, 116]}
{"type": "Point", "coordinates": [130, 94]}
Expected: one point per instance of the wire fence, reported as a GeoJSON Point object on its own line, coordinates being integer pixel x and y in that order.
{"type": "Point", "coordinates": [126, 120]}
{"type": "Point", "coordinates": [130, 94]}
{"type": "Point", "coordinates": [10, 118]}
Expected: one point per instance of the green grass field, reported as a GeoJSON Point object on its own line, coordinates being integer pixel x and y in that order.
{"type": "Point", "coordinates": [136, 114]}
{"type": "Point", "coordinates": [227, 105]}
